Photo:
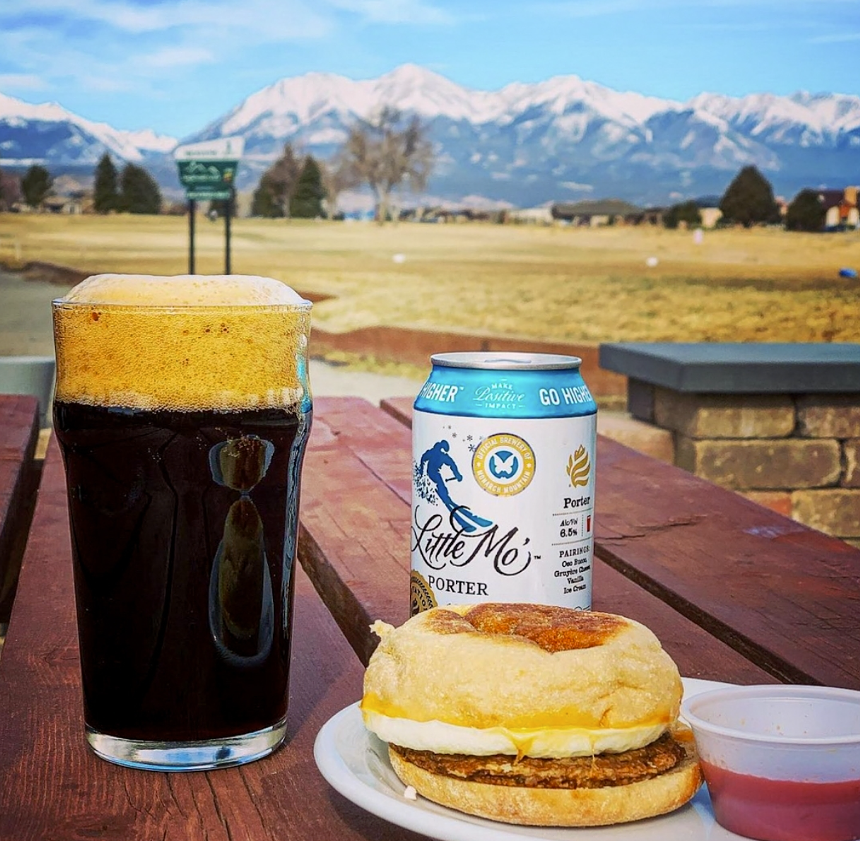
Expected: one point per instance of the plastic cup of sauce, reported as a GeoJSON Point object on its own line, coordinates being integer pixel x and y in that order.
{"type": "Point", "coordinates": [782, 763]}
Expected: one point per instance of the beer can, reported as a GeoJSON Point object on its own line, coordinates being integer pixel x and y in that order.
{"type": "Point", "coordinates": [503, 452]}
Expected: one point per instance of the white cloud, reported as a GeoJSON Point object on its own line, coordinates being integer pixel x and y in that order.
{"type": "Point", "coordinates": [52, 59]}
{"type": "Point", "coordinates": [595, 8]}
{"type": "Point", "coordinates": [395, 11]}
{"type": "Point", "coordinates": [111, 45]}
{"type": "Point", "coordinates": [178, 57]}
{"type": "Point", "coordinates": [105, 83]}
{"type": "Point", "coordinates": [127, 16]}
{"type": "Point", "coordinates": [290, 19]}
{"type": "Point", "coordinates": [838, 38]}
{"type": "Point", "coordinates": [603, 8]}
{"type": "Point", "coordinates": [122, 46]}
{"type": "Point", "coordinates": [21, 81]}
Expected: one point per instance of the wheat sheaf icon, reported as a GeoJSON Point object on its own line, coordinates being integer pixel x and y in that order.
{"type": "Point", "coordinates": [578, 468]}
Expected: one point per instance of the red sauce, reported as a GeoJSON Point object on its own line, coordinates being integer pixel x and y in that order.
{"type": "Point", "coordinates": [782, 810]}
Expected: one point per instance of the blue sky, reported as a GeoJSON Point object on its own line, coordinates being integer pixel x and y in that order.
{"type": "Point", "coordinates": [175, 65]}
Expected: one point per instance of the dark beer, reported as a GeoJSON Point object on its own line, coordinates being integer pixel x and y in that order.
{"type": "Point", "coordinates": [182, 410]}
{"type": "Point", "coordinates": [159, 662]}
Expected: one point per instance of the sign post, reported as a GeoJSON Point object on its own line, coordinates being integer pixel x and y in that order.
{"type": "Point", "coordinates": [228, 212]}
{"type": "Point", "coordinates": [207, 170]}
{"type": "Point", "coordinates": [192, 211]}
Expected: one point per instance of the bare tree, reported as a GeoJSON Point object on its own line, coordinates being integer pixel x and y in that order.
{"type": "Point", "coordinates": [383, 153]}
{"type": "Point", "coordinates": [337, 177]}
{"type": "Point", "coordinates": [10, 190]}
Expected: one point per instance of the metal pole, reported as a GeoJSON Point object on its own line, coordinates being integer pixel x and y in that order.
{"type": "Point", "coordinates": [192, 209]}
{"type": "Point", "coordinates": [228, 212]}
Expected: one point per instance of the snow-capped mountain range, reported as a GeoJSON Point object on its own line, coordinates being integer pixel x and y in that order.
{"type": "Point", "coordinates": [562, 139]}
{"type": "Point", "coordinates": [49, 134]}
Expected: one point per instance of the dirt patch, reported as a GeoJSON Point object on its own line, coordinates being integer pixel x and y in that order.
{"type": "Point", "coordinates": [51, 273]}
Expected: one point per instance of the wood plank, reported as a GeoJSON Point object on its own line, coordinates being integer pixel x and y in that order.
{"type": "Point", "coordinates": [782, 594]}
{"type": "Point", "coordinates": [356, 552]}
{"type": "Point", "coordinates": [375, 437]}
{"type": "Point", "coordinates": [695, 650]}
{"type": "Point", "coordinates": [18, 415]}
{"type": "Point", "coordinates": [354, 544]}
{"type": "Point", "coordinates": [19, 476]}
{"type": "Point", "coordinates": [354, 530]}
{"type": "Point", "coordinates": [400, 408]}
{"type": "Point", "coordinates": [53, 787]}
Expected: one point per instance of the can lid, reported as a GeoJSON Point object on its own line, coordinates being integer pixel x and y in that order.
{"type": "Point", "coordinates": [506, 361]}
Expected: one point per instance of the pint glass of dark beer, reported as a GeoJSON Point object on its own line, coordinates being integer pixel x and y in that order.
{"type": "Point", "coordinates": [182, 409]}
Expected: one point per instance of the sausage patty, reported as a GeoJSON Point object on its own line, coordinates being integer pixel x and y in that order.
{"type": "Point", "coordinates": [606, 769]}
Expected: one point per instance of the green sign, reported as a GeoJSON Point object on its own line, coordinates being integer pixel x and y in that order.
{"type": "Point", "coordinates": [206, 193]}
{"type": "Point", "coordinates": [207, 170]}
{"type": "Point", "coordinates": [207, 174]}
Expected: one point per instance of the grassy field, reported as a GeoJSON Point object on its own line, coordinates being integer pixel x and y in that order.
{"type": "Point", "coordinates": [563, 284]}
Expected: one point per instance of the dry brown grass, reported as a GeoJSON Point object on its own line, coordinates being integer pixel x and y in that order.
{"type": "Point", "coordinates": [550, 283]}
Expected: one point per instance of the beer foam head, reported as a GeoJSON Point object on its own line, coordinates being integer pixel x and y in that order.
{"type": "Point", "coordinates": [184, 343]}
{"type": "Point", "coordinates": [182, 291]}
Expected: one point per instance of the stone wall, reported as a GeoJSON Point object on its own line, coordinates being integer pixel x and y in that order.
{"type": "Point", "coordinates": [796, 454]}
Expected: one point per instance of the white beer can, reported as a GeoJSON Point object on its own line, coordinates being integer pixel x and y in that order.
{"type": "Point", "coordinates": [503, 468]}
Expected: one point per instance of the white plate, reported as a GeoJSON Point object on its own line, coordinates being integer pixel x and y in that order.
{"type": "Point", "coordinates": [355, 763]}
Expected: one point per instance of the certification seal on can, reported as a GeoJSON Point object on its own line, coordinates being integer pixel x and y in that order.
{"type": "Point", "coordinates": [503, 464]}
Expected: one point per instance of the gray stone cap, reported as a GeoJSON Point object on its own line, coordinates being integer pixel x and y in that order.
{"type": "Point", "coordinates": [747, 368]}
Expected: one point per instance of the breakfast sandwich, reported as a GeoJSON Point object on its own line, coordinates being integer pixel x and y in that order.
{"type": "Point", "coordinates": [532, 714]}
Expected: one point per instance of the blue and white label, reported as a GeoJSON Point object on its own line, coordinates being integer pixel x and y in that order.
{"type": "Point", "coordinates": [520, 394]}
{"type": "Point", "coordinates": [502, 509]}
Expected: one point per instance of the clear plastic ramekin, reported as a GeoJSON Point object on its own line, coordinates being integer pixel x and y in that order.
{"type": "Point", "coordinates": [782, 763]}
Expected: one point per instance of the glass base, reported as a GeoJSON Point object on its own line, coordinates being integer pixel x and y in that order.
{"type": "Point", "coordinates": [202, 755]}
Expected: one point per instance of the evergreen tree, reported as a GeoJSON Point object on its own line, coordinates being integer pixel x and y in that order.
{"type": "Point", "coordinates": [36, 185]}
{"type": "Point", "coordinates": [748, 200]}
{"type": "Point", "coordinates": [105, 194]}
{"type": "Point", "coordinates": [272, 196]}
{"type": "Point", "coordinates": [307, 198]}
{"type": "Point", "coordinates": [805, 213]}
{"type": "Point", "coordinates": [687, 212]}
{"type": "Point", "coordinates": [138, 191]}
{"type": "Point", "coordinates": [263, 203]}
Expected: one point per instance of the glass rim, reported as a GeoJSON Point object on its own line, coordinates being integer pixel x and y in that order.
{"type": "Point", "coordinates": [60, 303]}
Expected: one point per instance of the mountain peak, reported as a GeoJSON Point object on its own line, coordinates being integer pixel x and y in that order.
{"type": "Point", "coordinates": [78, 133]}
{"type": "Point", "coordinates": [415, 74]}
{"type": "Point", "coordinates": [526, 143]}
{"type": "Point", "coordinates": [49, 111]}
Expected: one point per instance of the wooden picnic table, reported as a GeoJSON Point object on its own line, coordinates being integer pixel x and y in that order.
{"type": "Point", "coordinates": [734, 591]}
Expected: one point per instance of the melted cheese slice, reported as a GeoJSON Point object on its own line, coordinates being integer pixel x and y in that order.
{"type": "Point", "coordinates": [544, 743]}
